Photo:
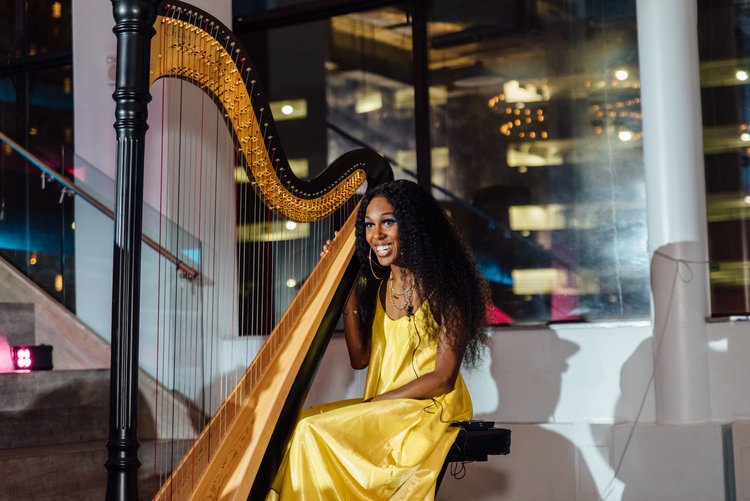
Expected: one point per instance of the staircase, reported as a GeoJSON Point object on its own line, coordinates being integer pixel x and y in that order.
{"type": "Point", "coordinates": [53, 431]}
{"type": "Point", "coordinates": [54, 424]}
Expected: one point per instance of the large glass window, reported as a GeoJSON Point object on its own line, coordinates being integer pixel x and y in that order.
{"type": "Point", "coordinates": [36, 112]}
{"type": "Point", "coordinates": [540, 132]}
{"type": "Point", "coordinates": [724, 45]}
{"type": "Point", "coordinates": [535, 131]}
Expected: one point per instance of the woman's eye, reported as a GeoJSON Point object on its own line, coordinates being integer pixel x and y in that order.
{"type": "Point", "coordinates": [389, 222]}
{"type": "Point", "coordinates": [369, 226]}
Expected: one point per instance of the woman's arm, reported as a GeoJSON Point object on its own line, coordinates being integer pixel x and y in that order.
{"type": "Point", "coordinates": [438, 382]}
{"type": "Point", "coordinates": [357, 340]}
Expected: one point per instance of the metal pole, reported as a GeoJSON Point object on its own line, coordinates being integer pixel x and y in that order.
{"type": "Point", "coordinates": [676, 203]}
{"type": "Point", "coordinates": [134, 21]}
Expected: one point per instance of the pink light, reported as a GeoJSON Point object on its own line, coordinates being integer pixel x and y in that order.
{"type": "Point", "coordinates": [23, 358]}
{"type": "Point", "coordinates": [78, 173]}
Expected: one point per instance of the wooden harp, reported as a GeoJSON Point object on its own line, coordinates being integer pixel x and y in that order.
{"type": "Point", "coordinates": [231, 449]}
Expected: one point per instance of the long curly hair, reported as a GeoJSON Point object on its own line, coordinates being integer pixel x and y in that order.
{"type": "Point", "coordinates": [445, 271]}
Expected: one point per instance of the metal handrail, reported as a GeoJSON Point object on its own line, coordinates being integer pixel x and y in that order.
{"type": "Point", "coordinates": [186, 270]}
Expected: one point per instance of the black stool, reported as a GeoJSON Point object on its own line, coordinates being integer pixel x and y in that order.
{"type": "Point", "coordinates": [475, 441]}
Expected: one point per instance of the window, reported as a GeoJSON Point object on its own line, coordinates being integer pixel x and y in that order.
{"type": "Point", "coordinates": [535, 131]}
{"type": "Point", "coordinates": [724, 46]}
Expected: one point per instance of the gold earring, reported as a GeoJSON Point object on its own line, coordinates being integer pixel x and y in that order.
{"type": "Point", "coordinates": [369, 256]}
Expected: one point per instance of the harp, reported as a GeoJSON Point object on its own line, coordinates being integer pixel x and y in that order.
{"type": "Point", "coordinates": [233, 443]}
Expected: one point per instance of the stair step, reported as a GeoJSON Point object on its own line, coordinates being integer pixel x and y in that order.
{"type": "Point", "coordinates": [53, 407]}
{"type": "Point", "coordinates": [67, 472]}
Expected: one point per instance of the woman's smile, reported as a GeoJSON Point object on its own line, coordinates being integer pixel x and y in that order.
{"type": "Point", "coordinates": [383, 250]}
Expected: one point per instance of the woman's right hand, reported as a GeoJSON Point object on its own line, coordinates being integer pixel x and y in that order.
{"type": "Point", "coordinates": [329, 244]}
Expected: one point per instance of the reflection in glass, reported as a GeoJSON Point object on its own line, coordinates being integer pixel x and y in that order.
{"type": "Point", "coordinates": [724, 47]}
{"type": "Point", "coordinates": [535, 128]}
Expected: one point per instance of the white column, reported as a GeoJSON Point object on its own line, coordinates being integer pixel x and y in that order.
{"type": "Point", "coordinates": [675, 194]}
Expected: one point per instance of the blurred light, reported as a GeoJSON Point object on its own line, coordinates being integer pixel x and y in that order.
{"type": "Point", "coordinates": [621, 75]}
{"type": "Point", "coordinates": [300, 167]}
{"type": "Point", "coordinates": [73, 225]}
{"type": "Point", "coordinates": [745, 136]}
{"type": "Point", "coordinates": [56, 10]}
{"type": "Point", "coordinates": [537, 217]}
{"type": "Point", "coordinates": [23, 358]}
{"type": "Point", "coordinates": [720, 345]}
{"type": "Point", "coordinates": [517, 92]}
{"type": "Point", "coordinates": [368, 101]}
{"type": "Point", "coordinates": [741, 75]}
{"type": "Point", "coordinates": [58, 283]}
{"type": "Point", "coordinates": [537, 281]}
{"type": "Point", "coordinates": [625, 135]}
{"type": "Point", "coordinates": [33, 260]}
{"type": "Point", "coordinates": [289, 109]}
{"type": "Point", "coordinates": [291, 282]}
{"type": "Point", "coordinates": [403, 98]}
{"type": "Point", "coordinates": [291, 225]}
{"type": "Point", "coordinates": [273, 231]}
{"type": "Point", "coordinates": [747, 199]}
{"type": "Point", "coordinates": [33, 131]}
{"type": "Point", "coordinates": [240, 175]}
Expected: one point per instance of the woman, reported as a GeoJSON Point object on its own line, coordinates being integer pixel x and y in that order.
{"type": "Point", "coordinates": [418, 313]}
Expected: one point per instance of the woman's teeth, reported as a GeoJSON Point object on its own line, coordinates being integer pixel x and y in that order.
{"type": "Point", "coordinates": [382, 250]}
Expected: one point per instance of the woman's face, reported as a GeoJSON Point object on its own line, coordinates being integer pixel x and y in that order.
{"type": "Point", "coordinates": [381, 231]}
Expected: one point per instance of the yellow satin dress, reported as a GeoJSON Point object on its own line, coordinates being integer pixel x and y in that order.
{"type": "Point", "coordinates": [392, 449]}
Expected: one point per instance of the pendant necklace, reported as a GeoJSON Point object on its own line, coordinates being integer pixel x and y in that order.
{"type": "Point", "coordinates": [404, 295]}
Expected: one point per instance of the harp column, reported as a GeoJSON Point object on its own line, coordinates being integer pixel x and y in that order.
{"type": "Point", "coordinates": [134, 21]}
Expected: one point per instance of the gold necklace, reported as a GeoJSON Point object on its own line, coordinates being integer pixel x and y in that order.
{"type": "Point", "coordinates": [406, 294]}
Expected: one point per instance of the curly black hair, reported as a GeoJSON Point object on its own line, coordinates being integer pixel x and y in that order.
{"type": "Point", "coordinates": [445, 270]}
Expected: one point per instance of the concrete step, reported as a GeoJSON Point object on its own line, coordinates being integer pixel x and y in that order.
{"type": "Point", "coordinates": [60, 407]}
{"type": "Point", "coordinates": [53, 407]}
{"type": "Point", "coordinates": [69, 472]}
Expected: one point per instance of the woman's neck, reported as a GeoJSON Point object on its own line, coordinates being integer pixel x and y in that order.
{"type": "Point", "coordinates": [402, 277]}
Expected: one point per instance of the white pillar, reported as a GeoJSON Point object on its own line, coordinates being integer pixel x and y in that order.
{"type": "Point", "coordinates": [675, 194]}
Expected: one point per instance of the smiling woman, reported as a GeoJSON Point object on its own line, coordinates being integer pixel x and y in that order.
{"type": "Point", "coordinates": [417, 313]}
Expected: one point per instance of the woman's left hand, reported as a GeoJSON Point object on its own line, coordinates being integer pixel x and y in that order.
{"type": "Point", "coordinates": [328, 245]}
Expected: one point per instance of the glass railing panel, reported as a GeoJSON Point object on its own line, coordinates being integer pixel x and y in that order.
{"type": "Point", "coordinates": [37, 226]}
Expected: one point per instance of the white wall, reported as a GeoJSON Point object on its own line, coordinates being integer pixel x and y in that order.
{"type": "Point", "coordinates": [579, 401]}
{"type": "Point", "coordinates": [94, 54]}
